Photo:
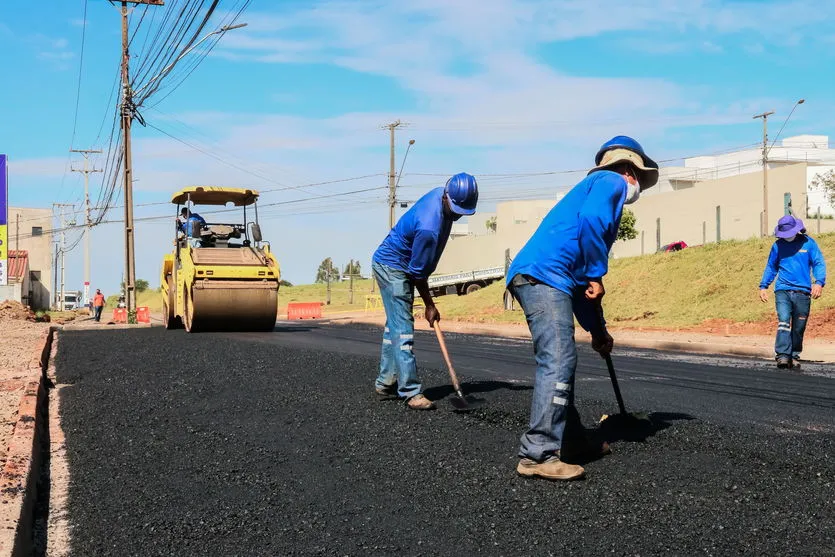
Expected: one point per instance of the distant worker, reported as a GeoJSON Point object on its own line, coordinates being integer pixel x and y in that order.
{"type": "Point", "coordinates": [189, 221]}
{"type": "Point", "coordinates": [98, 305]}
{"type": "Point", "coordinates": [403, 263]}
{"type": "Point", "coordinates": [558, 275]}
{"type": "Point", "coordinates": [793, 255]}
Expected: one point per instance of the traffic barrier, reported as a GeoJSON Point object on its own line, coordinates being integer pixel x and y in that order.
{"type": "Point", "coordinates": [143, 314]}
{"type": "Point", "coordinates": [120, 315]}
{"type": "Point", "coordinates": [304, 310]}
{"type": "Point", "coordinates": [373, 302]}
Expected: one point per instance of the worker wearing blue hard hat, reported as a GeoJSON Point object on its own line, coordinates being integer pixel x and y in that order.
{"type": "Point", "coordinates": [403, 263]}
{"type": "Point", "coordinates": [558, 275]}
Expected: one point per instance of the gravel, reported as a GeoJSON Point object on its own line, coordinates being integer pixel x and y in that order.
{"type": "Point", "coordinates": [196, 445]}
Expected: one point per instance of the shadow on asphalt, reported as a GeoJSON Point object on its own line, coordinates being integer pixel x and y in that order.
{"type": "Point", "coordinates": [280, 328]}
{"type": "Point", "coordinates": [471, 387]}
{"type": "Point", "coordinates": [628, 427]}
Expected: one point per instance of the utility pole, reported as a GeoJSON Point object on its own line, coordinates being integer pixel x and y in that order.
{"type": "Point", "coordinates": [392, 199]}
{"type": "Point", "coordinates": [765, 116]}
{"type": "Point", "coordinates": [62, 251]}
{"type": "Point", "coordinates": [88, 224]}
{"type": "Point", "coordinates": [351, 282]}
{"type": "Point", "coordinates": [127, 113]}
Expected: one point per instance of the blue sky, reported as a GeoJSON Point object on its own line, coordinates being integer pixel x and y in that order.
{"type": "Point", "coordinates": [487, 86]}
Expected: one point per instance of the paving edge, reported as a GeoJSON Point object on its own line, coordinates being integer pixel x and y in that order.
{"type": "Point", "coordinates": [20, 475]}
{"type": "Point", "coordinates": [719, 348]}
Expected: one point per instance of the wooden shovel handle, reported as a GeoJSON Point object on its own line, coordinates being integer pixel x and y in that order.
{"type": "Point", "coordinates": [452, 375]}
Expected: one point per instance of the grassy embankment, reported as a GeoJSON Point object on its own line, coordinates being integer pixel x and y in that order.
{"type": "Point", "coordinates": [150, 298]}
{"type": "Point", "coordinates": [717, 281]}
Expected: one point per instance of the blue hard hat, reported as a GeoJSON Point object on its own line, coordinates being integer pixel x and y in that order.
{"type": "Point", "coordinates": [624, 142]}
{"type": "Point", "coordinates": [462, 192]}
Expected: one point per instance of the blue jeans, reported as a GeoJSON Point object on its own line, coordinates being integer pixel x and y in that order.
{"type": "Point", "coordinates": [397, 360]}
{"type": "Point", "coordinates": [550, 316]}
{"type": "Point", "coordinates": [792, 313]}
{"type": "Point", "coordinates": [98, 310]}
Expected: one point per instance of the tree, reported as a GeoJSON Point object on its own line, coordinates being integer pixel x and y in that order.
{"type": "Point", "coordinates": [627, 230]}
{"type": "Point", "coordinates": [355, 270]}
{"type": "Point", "coordinates": [141, 286]}
{"type": "Point", "coordinates": [491, 223]}
{"type": "Point", "coordinates": [825, 182]}
{"type": "Point", "coordinates": [326, 267]}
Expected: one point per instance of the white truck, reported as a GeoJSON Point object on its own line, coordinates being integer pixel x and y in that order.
{"type": "Point", "coordinates": [465, 282]}
{"type": "Point", "coordinates": [72, 300]}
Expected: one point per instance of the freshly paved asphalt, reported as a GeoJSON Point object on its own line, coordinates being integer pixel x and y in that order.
{"type": "Point", "coordinates": [272, 444]}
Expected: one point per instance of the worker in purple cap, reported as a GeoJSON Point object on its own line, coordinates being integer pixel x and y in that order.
{"type": "Point", "coordinates": [793, 260]}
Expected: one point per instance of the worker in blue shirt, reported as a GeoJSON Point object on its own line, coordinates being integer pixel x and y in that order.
{"type": "Point", "coordinates": [558, 275]}
{"type": "Point", "coordinates": [189, 221]}
{"type": "Point", "coordinates": [790, 260]}
{"type": "Point", "coordinates": [403, 263]}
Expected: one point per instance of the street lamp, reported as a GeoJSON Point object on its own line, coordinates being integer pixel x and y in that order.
{"type": "Point", "coordinates": [766, 150]}
{"type": "Point", "coordinates": [165, 71]}
{"type": "Point", "coordinates": [399, 174]}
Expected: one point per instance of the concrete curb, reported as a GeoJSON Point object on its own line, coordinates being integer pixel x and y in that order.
{"type": "Point", "coordinates": [20, 475]}
{"type": "Point", "coordinates": [811, 352]}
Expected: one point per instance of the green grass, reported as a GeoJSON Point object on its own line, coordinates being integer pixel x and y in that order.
{"type": "Point", "coordinates": [340, 295]}
{"type": "Point", "coordinates": [150, 298]}
{"type": "Point", "coordinates": [666, 290]}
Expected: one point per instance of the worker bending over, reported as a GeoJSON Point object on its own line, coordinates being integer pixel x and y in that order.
{"type": "Point", "coordinates": [403, 263]}
{"type": "Point", "coordinates": [558, 275]}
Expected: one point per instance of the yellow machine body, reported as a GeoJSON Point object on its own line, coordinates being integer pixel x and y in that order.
{"type": "Point", "coordinates": [223, 287]}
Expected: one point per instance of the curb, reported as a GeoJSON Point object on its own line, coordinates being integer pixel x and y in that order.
{"type": "Point", "coordinates": [20, 475]}
{"type": "Point", "coordinates": [812, 352]}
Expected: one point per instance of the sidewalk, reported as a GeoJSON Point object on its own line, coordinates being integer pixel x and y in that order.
{"type": "Point", "coordinates": [756, 346]}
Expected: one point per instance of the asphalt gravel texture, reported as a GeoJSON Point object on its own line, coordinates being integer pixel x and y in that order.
{"type": "Point", "coordinates": [274, 444]}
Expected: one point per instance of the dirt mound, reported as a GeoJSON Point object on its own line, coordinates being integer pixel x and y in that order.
{"type": "Point", "coordinates": [821, 325]}
{"type": "Point", "coordinates": [15, 311]}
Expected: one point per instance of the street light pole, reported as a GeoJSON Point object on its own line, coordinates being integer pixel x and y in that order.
{"type": "Point", "coordinates": [766, 151]}
{"type": "Point", "coordinates": [88, 224]}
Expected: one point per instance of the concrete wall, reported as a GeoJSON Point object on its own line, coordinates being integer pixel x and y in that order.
{"type": "Point", "coordinates": [12, 291]}
{"type": "Point", "coordinates": [22, 229]}
{"type": "Point", "coordinates": [690, 214]}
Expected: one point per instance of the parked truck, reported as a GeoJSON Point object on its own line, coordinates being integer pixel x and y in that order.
{"type": "Point", "coordinates": [72, 300]}
{"type": "Point", "coordinates": [465, 282]}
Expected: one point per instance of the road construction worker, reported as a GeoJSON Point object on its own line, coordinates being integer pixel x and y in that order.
{"type": "Point", "coordinates": [188, 222]}
{"type": "Point", "coordinates": [98, 305]}
{"type": "Point", "coordinates": [792, 257]}
{"type": "Point", "coordinates": [403, 263]}
{"type": "Point", "coordinates": [558, 275]}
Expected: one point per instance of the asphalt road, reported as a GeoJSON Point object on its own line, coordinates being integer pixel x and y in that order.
{"type": "Point", "coordinates": [273, 444]}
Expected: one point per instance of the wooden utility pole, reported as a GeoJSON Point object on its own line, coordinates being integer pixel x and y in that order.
{"type": "Point", "coordinates": [88, 223]}
{"type": "Point", "coordinates": [127, 114]}
{"type": "Point", "coordinates": [765, 116]}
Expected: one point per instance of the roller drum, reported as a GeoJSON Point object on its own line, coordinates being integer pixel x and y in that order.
{"type": "Point", "coordinates": [232, 306]}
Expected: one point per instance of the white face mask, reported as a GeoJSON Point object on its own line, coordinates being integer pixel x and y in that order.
{"type": "Point", "coordinates": [633, 192]}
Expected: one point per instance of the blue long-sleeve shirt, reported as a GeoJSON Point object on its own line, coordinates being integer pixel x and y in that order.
{"type": "Point", "coordinates": [416, 242]}
{"type": "Point", "coordinates": [791, 263]}
{"type": "Point", "coordinates": [571, 246]}
{"type": "Point", "coordinates": [193, 220]}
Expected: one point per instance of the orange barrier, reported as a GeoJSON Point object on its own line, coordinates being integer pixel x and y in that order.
{"type": "Point", "coordinates": [120, 315]}
{"type": "Point", "coordinates": [304, 310]}
{"type": "Point", "coordinates": [143, 315]}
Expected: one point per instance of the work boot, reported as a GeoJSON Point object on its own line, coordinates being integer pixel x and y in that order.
{"type": "Point", "coordinates": [784, 362]}
{"type": "Point", "coordinates": [551, 469]}
{"type": "Point", "coordinates": [420, 402]}
{"type": "Point", "coordinates": [386, 393]}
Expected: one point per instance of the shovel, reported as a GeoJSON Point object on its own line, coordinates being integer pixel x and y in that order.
{"type": "Point", "coordinates": [459, 402]}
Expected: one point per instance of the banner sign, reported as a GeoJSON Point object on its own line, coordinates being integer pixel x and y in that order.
{"type": "Point", "coordinates": [4, 221]}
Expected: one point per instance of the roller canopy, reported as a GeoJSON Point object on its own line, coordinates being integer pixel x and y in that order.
{"type": "Point", "coordinates": [215, 195]}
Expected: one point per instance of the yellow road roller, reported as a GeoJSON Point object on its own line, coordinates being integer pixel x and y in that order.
{"type": "Point", "coordinates": [222, 275]}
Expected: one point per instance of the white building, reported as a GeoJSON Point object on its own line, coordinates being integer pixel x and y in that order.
{"type": "Point", "coordinates": [810, 149]}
